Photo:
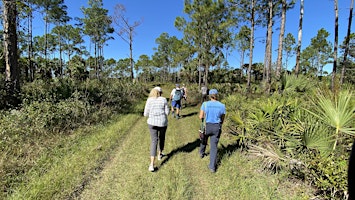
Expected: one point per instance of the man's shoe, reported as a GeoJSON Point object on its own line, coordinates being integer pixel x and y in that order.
{"type": "Point", "coordinates": [212, 170]}
{"type": "Point", "coordinates": [160, 156]}
{"type": "Point", "coordinates": [202, 155]}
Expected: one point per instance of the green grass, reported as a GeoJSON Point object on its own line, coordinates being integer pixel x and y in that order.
{"type": "Point", "coordinates": [72, 165]}
{"type": "Point", "coordinates": [182, 174]}
{"type": "Point", "coordinates": [112, 163]}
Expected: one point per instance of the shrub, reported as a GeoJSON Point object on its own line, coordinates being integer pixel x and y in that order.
{"type": "Point", "coordinates": [329, 175]}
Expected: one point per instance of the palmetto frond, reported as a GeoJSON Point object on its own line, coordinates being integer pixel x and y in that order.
{"type": "Point", "coordinates": [272, 157]}
{"type": "Point", "coordinates": [310, 133]}
{"type": "Point", "coordinates": [269, 107]}
{"type": "Point", "coordinates": [293, 83]}
{"type": "Point", "coordinates": [337, 113]}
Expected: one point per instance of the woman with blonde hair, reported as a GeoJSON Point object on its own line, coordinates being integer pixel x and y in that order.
{"type": "Point", "coordinates": [157, 111]}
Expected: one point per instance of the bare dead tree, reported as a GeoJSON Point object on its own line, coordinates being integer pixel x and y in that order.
{"type": "Point", "coordinates": [125, 30]}
{"type": "Point", "coordinates": [335, 53]}
{"type": "Point", "coordinates": [298, 56]}
{"type": "Point", "coordinates": [347, 40]}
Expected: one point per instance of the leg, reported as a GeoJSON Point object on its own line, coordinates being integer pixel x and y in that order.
{"type": "Point", "coordinates": [154, 142]}
{"type": "Point", "coordinates": [215, 129]}
{"type": "Point", "coordinates": [203, 147]}
{"type": "Point", "coordinates": [178, 108]}
{"type": "Point", "coordinates": [173, 104]}
{"type": "Point", "coordinates": [162, 131]}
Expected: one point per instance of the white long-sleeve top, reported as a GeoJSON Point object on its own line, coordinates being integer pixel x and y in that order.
{"type": "Point", "coordinates": [157, 111]}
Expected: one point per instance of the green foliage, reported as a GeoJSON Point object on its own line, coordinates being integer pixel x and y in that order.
{"type": "Point", "coordinates": [336, 111]}
{"type": "Point", "coordinates": [318, 54]}
{"type": "Point", "coordinates": [235, 122]}
{"type": "Point", "coordinates": [329, 174]}
{"type": "Point", "coordinates": [207, 21]}
{"type": "Point", "coordinates": [52, 110]}
{"type": "Point", "coordinates": [292, 83]}
{"type": "Point", "coordinates": [293, 133]}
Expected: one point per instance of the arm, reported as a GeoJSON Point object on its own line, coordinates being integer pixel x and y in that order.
{"type": "Point", "coordinates": [202, 114]}
{"type": "Point", "coordinates": [222, 118]}
{"type": "Point", "coordinates": [171, 94]}
{"type": "Point", "coordinates": [166, 107]}
{"type": "Point", "coordinates": [146, 108]}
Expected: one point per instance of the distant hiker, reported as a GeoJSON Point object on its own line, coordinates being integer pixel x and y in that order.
{"type": "Point", "coordinates": [176, 96]}
{"type": "Point", "coordinates": [213, 112]}
{"type": "Point", "coordinates": [184, 94]}
{"type": "Point", "coordinates": [204, 93]}
{"type": "Point", "coordinates": [157, 111]}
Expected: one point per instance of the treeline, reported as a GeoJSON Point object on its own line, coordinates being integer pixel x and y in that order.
{"type": "Point", "coordinates": [210, 31]}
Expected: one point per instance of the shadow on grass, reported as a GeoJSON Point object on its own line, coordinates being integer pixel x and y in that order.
{"type": "Point", "coordinates": [189, 114]}
{"type": "Point", "coordinates": [226, 151]}
{"type": "Point", "coordinates": [189, 147]}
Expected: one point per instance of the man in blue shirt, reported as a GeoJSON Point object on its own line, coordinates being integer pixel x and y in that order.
{"type": "Point", "coordinates": [213, 112]}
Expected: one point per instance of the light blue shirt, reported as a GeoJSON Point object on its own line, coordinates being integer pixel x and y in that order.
{"type": "Point", "coordinates": [213, 110]}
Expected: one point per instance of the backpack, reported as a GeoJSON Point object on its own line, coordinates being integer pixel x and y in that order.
{"type": "Point", "coordinates": [177, 95]}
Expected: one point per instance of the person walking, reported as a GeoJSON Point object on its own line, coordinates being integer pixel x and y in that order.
{"type": "Point", "coordinates": [184, 94]}
{"type": "Point", "coordinates": [213, 112]}
{"type": "Point", "coordinates": [157, 111]}
{"type": "Point", "coordinates": [203, 93]}
{"type": "Point", "coordinates": [176, 96]}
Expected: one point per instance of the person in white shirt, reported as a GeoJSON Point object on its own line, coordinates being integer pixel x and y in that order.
{"type": "Point", "coordinates": [176, 96]}
{"type": "Point", "coordinates": [157, 111]}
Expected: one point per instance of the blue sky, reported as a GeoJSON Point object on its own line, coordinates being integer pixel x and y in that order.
{"type": "Point", "coordinates": [159, 16]}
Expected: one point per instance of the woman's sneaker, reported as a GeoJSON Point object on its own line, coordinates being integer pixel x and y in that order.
{"type": "Point", "coordinates": [151, 168]}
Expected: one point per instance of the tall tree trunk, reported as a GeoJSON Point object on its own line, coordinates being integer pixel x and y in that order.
{"type": "Point", "coordinates": [199, 68]}
{"type": "Point", "coordinates": [252, 22]}
{"type": "Point", "coordinates": [266, 56]}
{"type": "Point", "coordinates": [12, 72]}
{"type": "Point", "coordinates": [269, 46]}
{"type": "Point", "coordinates": [281, 39]}
{"type": "Point", "coordinates": [96, 59]}
{"type": "Point", "coordinates": [347, 42]}
{"type": "Point", "coordinates": [206, 60]}
{"type": "Point", "coordinates": [30, 46]}
{"type": "Point", "coordinates": [242, 63]}
{"type": "Point", "coordinates": [60, 70]}
{"type": "Point", "coordinates": [131, 51]}
{"type": "Point", "coordinates": [297, 68]}
{"type": "Point", "coordinates": [46, 28]}
{"type": "Point", "coordinates": [335, 53]}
